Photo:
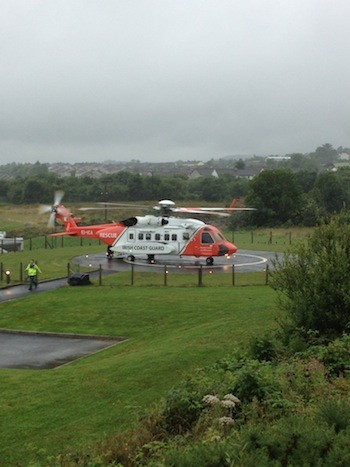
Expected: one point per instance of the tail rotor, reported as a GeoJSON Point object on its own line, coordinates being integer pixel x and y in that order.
{"type": "Point", "coordinates": [52, 209]}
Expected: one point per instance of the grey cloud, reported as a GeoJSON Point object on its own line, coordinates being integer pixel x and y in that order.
{"type": "Point", "coordinates": [164, 80]}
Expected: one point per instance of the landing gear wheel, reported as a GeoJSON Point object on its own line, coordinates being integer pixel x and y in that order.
{"type": "Point", "coordinates": [151, 259]}
{"type": "Point", "coordinates": [131, 258]}
{"type": "Point", "coordinates": [109, 253]}
{"type": "Point", "coordinates": [210, 261]}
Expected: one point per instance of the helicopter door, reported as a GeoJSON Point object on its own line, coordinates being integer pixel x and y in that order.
{"type": "Point", "coordinates": [204, 246]}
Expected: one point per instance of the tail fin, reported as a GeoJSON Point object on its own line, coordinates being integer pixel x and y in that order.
{"type": "Point", "coordinates": [66, 218]}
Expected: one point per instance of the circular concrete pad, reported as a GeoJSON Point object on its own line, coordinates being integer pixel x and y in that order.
{"type": "Point", "coordinates": [244, 261]}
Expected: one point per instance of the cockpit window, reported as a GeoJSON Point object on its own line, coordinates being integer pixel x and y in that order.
{"type": "Point", "coordinates": [207, 238]}
{"type": "Point", "coordinates": [218, 236]}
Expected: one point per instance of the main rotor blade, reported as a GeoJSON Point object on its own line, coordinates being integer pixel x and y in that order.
{"type": "Point", "coordinates": [110, 208]}
{"type": "Point", "coordinates": [201, 211]}
{"type": "Point", "coordinates": [122, 205]}
{"type": "Point", "coordinates": [226, 209]}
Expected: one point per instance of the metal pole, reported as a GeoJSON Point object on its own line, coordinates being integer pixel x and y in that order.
{"type": "Point", "coordinates": [100, 275]}
{"type": "Point", "coordinates": [106, 200]}
{"type": "Point", "coordinates": [233, 275]}
{"type": "Point", "coordinates": [200, 276]}
{"type": "Point", "coordinates": [132, 274]}
{"type": "Point", "coordinates": [165, 275]}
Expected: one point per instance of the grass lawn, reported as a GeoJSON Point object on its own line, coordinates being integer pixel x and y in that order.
{"type": "Point", "coordinates": [171, 331]}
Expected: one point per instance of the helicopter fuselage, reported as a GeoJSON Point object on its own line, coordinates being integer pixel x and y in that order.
{"type": "Point", "coordinates": [151, 235]}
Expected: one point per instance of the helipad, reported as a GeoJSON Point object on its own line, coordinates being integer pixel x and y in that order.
{"type": "Point", "coordinates": [244, 261]}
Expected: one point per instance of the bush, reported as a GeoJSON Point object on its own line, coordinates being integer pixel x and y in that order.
{"type": "Point", "coordinates": [335, 413]}
{"type": "Point", "coordinates": [203, 453]}
{"type": "Point", "coordinates": [335, 356]}
{"type": "Point", "coordinates": [291, 441]}
{"type": "Point", "coordinates": [314, 281]}
{"type": "Point", "coordinates": [265, 348]}
{"type": "Point", "coordinates": [182, 408]}
{"type": "Point", "coordinates": [254, 380]}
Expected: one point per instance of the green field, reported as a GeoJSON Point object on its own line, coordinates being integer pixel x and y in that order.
{"type": "Point", "coordinates": [170, 332]}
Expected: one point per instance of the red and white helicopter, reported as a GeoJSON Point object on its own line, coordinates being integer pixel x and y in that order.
{"type": "Point", "coordinates": [150, 235]}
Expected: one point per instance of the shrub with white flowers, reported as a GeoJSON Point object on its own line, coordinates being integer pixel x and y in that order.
{"type": "Point", "coordinates": [228, 406]}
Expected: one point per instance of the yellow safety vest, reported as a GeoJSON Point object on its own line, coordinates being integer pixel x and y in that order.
{"type": "Point", "coordinates": [32, 269]}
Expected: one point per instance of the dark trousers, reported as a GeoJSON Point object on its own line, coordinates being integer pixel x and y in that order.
{"type": "Point", "coordinates": [33, 281]}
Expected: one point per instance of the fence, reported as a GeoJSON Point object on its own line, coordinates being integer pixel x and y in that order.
{"type": "Point", "coordinates": [49, 243]}
{"type": "Point", "coordinates": [136, 276]}
{"type": "Point", "coordinates": [200, 276]}
{"type": "Point", "coordinates": [265, 237]}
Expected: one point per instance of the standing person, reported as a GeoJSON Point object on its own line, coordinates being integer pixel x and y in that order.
{"type": "Point", "coordinates": [33, 270]}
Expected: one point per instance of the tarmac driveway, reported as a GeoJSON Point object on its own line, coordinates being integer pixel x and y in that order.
{"type": "Point", "coordinates": [37, 351]}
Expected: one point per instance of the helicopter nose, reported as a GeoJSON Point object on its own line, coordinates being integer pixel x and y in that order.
{"type": "Point", "coordinates": [223, 250]}
{"type": "Point", "coordinates": [228, 249]}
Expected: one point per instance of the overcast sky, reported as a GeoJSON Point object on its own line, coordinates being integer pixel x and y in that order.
{"type": "Point", "coordinates": [167, 80]}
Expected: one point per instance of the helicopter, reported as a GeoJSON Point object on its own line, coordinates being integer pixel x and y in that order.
{"type": "Point", "coordinates": [150, 235]}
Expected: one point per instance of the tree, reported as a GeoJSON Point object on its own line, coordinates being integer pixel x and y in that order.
{"type": "Point", "coordinates": [314, 281]}
{"type": "Point", "coordinates": [15, 194]}
{"type": "Point", "coordinates": [306, 180]}
{"type": "Point", "coordinates": [328, 192]}
{"type": "Point", "coordinates": [276, 196]}
{"type": "Point", "coordinates": [343, 175]}
{"type": "Point", "coordinates": [240, 164]}
{"type": "Point", "coordinates": [207, 189]}
{"type": "Point", "coordinates": [297, 161]}
{"type": "Point", "coordinates": [325, 154]}
{"type": "Point", "coordinates": [39, 169]}
{"type": "Point", "coordinates": [35, 191]}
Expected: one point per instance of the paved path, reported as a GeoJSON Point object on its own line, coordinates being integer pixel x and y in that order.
{"type": "Point", "coordinates": [18, 291]}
